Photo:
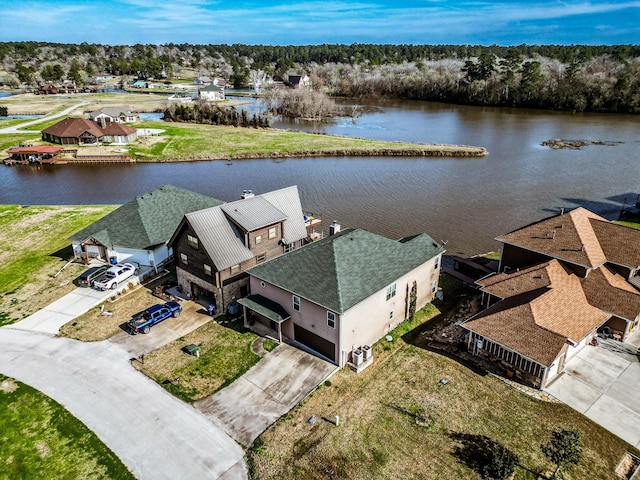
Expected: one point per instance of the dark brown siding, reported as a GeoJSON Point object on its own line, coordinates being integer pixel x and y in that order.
{"type": "Point", "coordinates": [196, 257]}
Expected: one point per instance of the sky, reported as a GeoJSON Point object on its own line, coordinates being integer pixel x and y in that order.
{"type": "Point", "coordinates": [475, 22]}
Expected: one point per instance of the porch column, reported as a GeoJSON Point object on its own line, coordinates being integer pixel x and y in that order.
{"type": "Point", "coordinates": [280, 332]}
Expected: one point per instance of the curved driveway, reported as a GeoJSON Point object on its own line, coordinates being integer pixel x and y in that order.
{"type": "Point", "coordinates": [16, 128]}
{"type": "Point", "coordinates": [156, 435]}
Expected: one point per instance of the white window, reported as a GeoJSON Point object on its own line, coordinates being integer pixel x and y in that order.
{"type": "Point", "coordinates": [296, 303]}
{"type": "Point", "coordinates": [437, 262]}
{"type": "Point", "coordinates": [193, 241]}
{"type": "Point", "coordinates": [288, 247]}
{"type": "Point", "coordinates": [273, 231]}
{"type": "Point", "coordinates": [261, 258]}
{"type": "Point", "coordinates": [434, 286]}
{"type": "Point", "coordinates": [207, 269]}
{"type": "Point", "coordinates": [391, 291]}
{"type": "Point", "coordinates": [258, 239]}
{"type": "Point", "coordinates": [235, 268]}
{"type": "Point", "coordinates": [391, 314]}
{"type": "Point", "coordinates": [331, 319]}
{"type": "Point", "coordinates": [184, 259]}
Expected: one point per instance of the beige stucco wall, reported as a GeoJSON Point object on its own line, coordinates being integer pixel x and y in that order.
{"type": "Point", "coordinates": [363, 324]}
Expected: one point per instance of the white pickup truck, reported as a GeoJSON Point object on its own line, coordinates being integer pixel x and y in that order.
{"type": "Point", "coordinates": [115, 275]}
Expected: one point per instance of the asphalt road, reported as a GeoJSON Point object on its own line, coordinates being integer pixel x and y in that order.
{"type": "Point", "coordinates": [156, 435]}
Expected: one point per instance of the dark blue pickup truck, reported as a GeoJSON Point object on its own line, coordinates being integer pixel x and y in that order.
{"type": "Point", "coordinates": [143, 321]}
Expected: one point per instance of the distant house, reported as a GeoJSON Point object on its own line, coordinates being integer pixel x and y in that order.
{"type": "Point", "coordinates": [299, 81]}
{"type": "Point", "coordinates": [47, 89]}
{"type": "Point", "coordinates": [82, 131]}
{"type": "Point", "coordinates": [343, 293]}
{"type": "Point", "coordinates": [100, 77]}
{"type": "Point", "coordinates": [560, 281]}
{"type": "Point", "coordinates": [138, 230]}
{"type": "Point", "coordinates": [214, 247]}
{"type": "Point", "coordinates": [140, 84]}
{"type": "Point", "coordinates": [182, 97]}
{"type": "Point", "coordinates": [114, 114]}
{"type": "Point", "coordinates": [211, 92]}
{"type": "Point", "coordinates": [203, 80]}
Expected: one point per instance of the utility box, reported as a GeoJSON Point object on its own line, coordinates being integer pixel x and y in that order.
{"type": "Point", "coordinates": [192, 349]}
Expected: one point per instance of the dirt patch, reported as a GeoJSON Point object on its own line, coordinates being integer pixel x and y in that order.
{"type": "Point", "coordinates": [43, 449]}
{"type": "Point", "coordinates": [110, 317]}
{"type": "Point", "coordinates": [8, 385]}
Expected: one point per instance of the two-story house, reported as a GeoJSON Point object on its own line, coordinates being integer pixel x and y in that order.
{"type": "Point", "coordinates": [560, 281]}
{"type": "Point", "coordinates": [339, 295]}
{"type": "Point", "coordinates": [214, 247]}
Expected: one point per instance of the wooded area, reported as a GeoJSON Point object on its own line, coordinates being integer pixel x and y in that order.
{"type": "Point", "coordinates": [574, 78]}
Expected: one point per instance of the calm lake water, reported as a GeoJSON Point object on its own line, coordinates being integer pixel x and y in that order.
{"type": "Point", "coordinates": [466, 202]}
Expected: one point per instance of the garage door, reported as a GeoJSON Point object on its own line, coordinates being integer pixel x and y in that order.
{"type": "Point", "coordinates": [315, 342]}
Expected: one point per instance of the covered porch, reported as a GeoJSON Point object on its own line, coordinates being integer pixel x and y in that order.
{"type": "Point", "coordinates": [262, 312]}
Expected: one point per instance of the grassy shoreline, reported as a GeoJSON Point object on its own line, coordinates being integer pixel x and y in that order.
{"type": "Point", "coordinates": [181, 142]}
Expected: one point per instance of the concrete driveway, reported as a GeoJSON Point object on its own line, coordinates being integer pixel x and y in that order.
{"type": "Point", "coordinates": [156, 435]}
{"type": "Point", "coordinates": [192, 317]}
{"type": "Point", "coordinates": [281, 379]}
{"type": "Point", "coordinates": [604, 386]}
{"type": "Point", "coordinates": [52, 317]}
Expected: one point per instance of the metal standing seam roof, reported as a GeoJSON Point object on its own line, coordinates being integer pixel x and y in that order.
{"type": "Point", "coordinates": [266, 307]}
{"type": "Point", "coordinates": [253, 213]}
{"type": "Point", "coordinates": [146, 221]}
{"type": "Point", "coordinates": [223, 241]}
{"type": "Point", "coordinates": [287, 200]}
{"type": "Point", "coordinates": [342, 270]}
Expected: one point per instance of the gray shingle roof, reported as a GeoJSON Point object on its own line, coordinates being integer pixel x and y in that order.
{"type": "Point", "coordinates": [342, 270]}
{"type": "Point", "coordinates": [148, 220]}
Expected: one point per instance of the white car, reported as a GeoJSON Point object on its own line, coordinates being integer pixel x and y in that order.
{"type": "Point", "coordinates": [115, 275]}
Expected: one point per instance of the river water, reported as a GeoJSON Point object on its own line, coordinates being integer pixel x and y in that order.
{"type": "Point", "coordinates": [466, 202]}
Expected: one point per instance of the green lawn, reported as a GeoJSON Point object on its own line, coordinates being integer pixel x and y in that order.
{"type": "Point", "coordinates": [225, 354]}
{"type": "Point", "coordinates": [34, 249]}
{"type": "Point", "coordinates": [39, 439]}
{"type": "Point", "coordinates": [194, 141]}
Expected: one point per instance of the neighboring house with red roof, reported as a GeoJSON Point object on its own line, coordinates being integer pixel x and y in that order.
{"type": "Point", "coordinates": [33, 153]}
{"type": "Point", "coordinates": [81, 131]}
{"type": "Point", "coordinates": [561, 280]}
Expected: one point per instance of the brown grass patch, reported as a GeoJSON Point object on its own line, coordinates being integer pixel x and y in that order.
{"type": "Point", "coordinates": [93, 326]}
{"type": "Point", "coordinates": [379, 437]}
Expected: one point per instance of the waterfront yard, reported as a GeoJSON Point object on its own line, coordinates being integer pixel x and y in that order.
{"type": "Point", "coordinates": [181, 141]}
{"type": "Point", "coordinates": [40, 439]}
{"type": "Point", "coordinates": [415, 414]}
{"type": "Point", "coordinates": [34, 268]}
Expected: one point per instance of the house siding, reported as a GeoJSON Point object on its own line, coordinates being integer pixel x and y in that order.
{"type": "Point", "coordinates": [371, 319]}
{"type": "Point", "coordinates": [363, 324]}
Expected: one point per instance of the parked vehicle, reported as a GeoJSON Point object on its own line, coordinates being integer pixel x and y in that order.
{"type": "Point", "coordinates": [89, 276]}
{"type": "Point", "coordinates": [115, 275]}
{"type": "Point", "coordinates": [143, 321]}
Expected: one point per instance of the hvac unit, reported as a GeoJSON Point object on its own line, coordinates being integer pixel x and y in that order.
{"type": "Point", "coordinates": [357, 357]}
{"type": "Point", "coordinates": [366, 352]}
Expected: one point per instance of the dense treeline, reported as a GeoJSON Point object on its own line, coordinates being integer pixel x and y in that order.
{"type": "Point", "coordinates": [577, 77]}
{"type": "Point", "coordinates": [213, 114]}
